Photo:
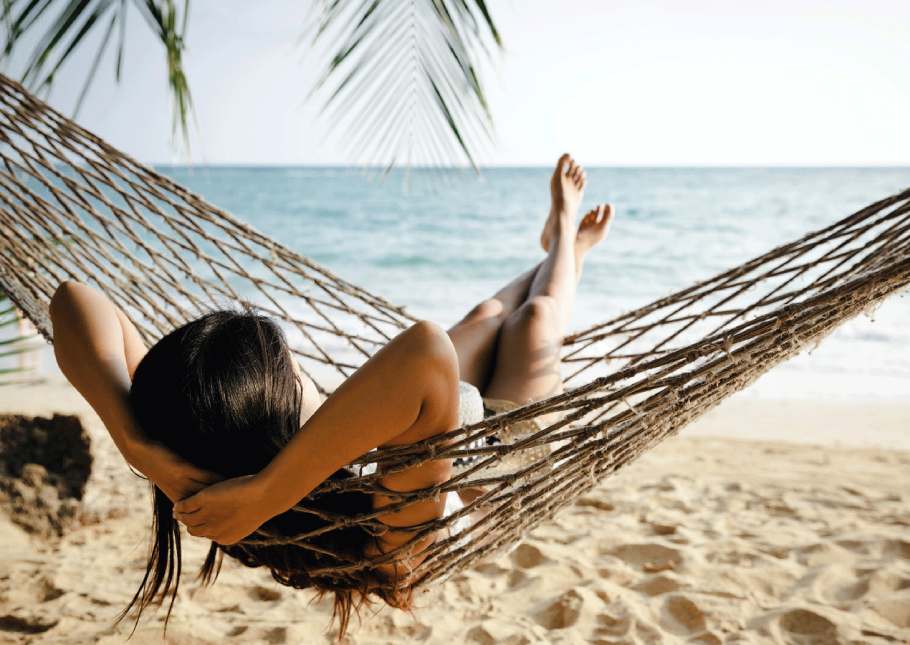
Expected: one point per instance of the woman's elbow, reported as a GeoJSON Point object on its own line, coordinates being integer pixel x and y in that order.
{"type": "Point", "coordinates": [433, 364]}
{"type": "Point", "coordinates": [69, 298]}
{"type": "Point", "coordinates": [432, 345]}
{"type": "Point", "coordinates": [63, 296]}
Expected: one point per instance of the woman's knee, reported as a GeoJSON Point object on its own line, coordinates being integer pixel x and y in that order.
{"type": "Point", "coordinates": [535, 312]}
{"type": "Point", "coordinates": [484, 310]}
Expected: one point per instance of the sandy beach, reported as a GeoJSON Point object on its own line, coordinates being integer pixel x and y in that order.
{"type": "Point", "coordinates": [704, 540]}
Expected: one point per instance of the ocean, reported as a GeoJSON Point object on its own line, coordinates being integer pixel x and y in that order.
{"type": "Point", "coordinates": [439, 242]}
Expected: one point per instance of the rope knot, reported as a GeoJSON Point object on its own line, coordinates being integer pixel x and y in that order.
{"type": "Point", "coordinates": [728, 348]}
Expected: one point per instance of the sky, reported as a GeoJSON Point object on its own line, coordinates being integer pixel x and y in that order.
{"type": "Point", "coordinates": [615, 82]}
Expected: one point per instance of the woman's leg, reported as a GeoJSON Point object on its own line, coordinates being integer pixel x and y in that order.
{"type": "Point", "coordinates": [530, 338]}
{"type": "Point", "coordinates": [474, 336]}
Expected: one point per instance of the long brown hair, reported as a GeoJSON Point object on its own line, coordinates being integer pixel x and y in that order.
{"type": "Point", "coordinates": [222, 392]}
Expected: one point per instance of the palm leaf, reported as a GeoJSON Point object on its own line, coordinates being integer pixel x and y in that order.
{"type": "Point", "coordinates": [15, 345]}
{"type": "Point", "coordinates": [402, 78]}
{"type": "Point", "coordinates": [76, 20]}
{"type": "Point", "coordinates": [417, 58]}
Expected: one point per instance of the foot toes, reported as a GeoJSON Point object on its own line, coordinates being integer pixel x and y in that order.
{"type": "Point", "coordinates": [597, 216]}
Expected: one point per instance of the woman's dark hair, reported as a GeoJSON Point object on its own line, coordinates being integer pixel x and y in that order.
{"type": "Point", "coordinates": [222, 393]}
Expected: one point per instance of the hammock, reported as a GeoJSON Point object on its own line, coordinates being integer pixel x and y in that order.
{"type": "Point", "coordinates": [73, 207]}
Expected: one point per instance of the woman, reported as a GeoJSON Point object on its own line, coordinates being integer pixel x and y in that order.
{"type": "Point", "coordinates": [219, 418]}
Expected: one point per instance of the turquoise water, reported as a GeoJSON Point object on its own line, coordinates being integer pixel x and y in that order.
{"type": "Point", "coordinates": [439, 243]}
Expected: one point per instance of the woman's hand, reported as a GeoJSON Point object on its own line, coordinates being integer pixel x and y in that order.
{"type": "Point", "coordinates": [225, 512]}
{"type": "Point", "coordinates": [176, 477]}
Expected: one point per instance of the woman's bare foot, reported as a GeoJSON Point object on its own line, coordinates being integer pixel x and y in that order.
{"type": "Point", "coordinates": [592, 230]}
{"type": "Point", "coordinates": [567, 185]}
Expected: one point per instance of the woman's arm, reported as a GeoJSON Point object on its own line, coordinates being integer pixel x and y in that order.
{"type": "Point", "coordinates": [406, 392]}
{"type": "Point", "coordinates": [98, 350]}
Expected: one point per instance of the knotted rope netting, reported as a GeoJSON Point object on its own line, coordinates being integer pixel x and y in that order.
{"type": "Point", "coordinates": [73, 207]}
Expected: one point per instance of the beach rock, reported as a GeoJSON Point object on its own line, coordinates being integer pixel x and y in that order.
{"type": "Point", "coordinates": [44, 466]}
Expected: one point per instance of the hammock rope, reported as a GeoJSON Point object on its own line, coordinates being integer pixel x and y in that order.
{"type": "Point", "coordinates": [73, 207]}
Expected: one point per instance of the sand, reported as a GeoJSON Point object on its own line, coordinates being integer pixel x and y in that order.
{"type": "Point", "coordinates": [714, 537]}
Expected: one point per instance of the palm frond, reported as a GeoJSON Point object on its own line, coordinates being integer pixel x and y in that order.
{"type": "Point", "coordinates": [75, 21]}
{"type": "Point", "coordinates": [14, 345]}
{"type": "Point", "coordinates": [402, 80]}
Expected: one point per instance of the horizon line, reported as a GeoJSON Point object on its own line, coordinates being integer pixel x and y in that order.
{"type": "Point", "coordinates": [382, 167]}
